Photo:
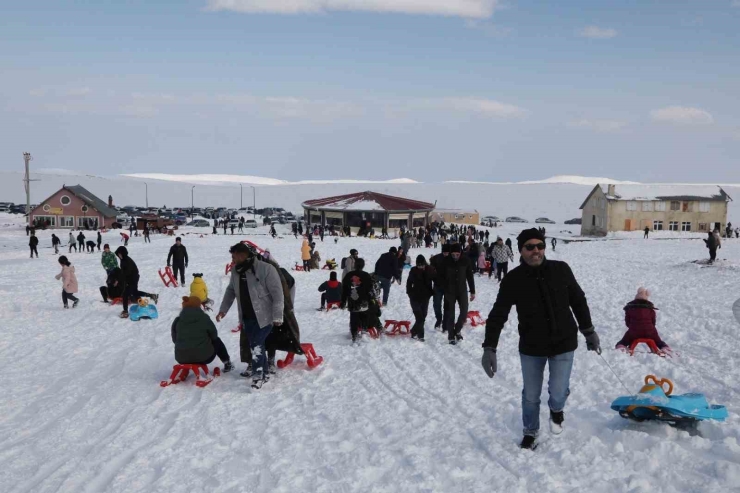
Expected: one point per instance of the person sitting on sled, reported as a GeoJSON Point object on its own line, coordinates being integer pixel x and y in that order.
{"type": "Point", "coordinates": [113, 288]}
{"type": "Point", "coordinates": [639, 315]}
{"type": "Point", "coordinates": [199, 289]}
{"type": "Point", "coordinates": [331, 291]}
{"type": "Point", "coordinates": [196, 338]}
{"type": "Point", "coordinates": [331, 264]}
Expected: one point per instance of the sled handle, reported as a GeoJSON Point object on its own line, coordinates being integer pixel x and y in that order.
{"type": "Point", "coordinates": [660, 382]}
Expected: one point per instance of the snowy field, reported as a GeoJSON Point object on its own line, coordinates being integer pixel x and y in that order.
{"type": "Point", "coordinates": [82, 409]}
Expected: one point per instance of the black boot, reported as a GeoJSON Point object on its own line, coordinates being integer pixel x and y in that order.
{"type": "Point", "coordinates": [528, 442]}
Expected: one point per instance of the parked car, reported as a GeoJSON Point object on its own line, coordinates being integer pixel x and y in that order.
{"type": "Point", "coordinates": [515, 219]}
{"type": "Point", "coordinates": [199, 223]}
{"type": "Point", "coordinates": [233, 222]}
{"type": "Point", "coordinates": [544, 220]}
{"type": "Point", "coordinates": [576, 220]}
{"type": "Point", "coordinates": [250, 223]}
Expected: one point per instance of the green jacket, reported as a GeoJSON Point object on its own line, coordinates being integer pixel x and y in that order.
{"type": "Point", "coordinates": [193, 333]}
{"type": "Point", "coordinates": [109, 261]}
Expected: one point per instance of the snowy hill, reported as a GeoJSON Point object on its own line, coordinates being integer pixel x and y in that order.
{"type": "Point", "coordinates": [557, 198]}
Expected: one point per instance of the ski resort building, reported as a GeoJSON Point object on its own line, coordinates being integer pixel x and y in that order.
{"type": "Point", "coordinates": [456, 216]}
{"type": "Point", "coordinates": [657, 207]}
{"type": "Point", "coordinates": [356, 210]}
{"type": "Point", "coordinates": [73, 207]}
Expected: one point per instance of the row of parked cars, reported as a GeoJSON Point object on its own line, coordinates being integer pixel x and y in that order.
{"type": "Point", "coordinates": [516, 219]}
{"type": "Point", "coordinates": [10, 207]}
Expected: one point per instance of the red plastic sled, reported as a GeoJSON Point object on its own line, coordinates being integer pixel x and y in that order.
{"type": "Point", "coordinates": [398, 327]}
{"type": "Point", "coordinates": [168, 278]}
{"type": "Point", "coordinates": [298, 267]}
{"type": "Point", "coordinates": [373, 333]}
{"type": "Point", "coordinates": [650, 344]}
{"type": "Point", "coordinates": [475, 319]}
{"type": "Point", "coordinates": [116, 301]}
{"type": "Point", "coordinates": [237, 329]}
{"type": "Point", "coordinates": [229, 266]}
{"type": "Point", "coordinates": [253, 245]}
{"type": "Point", "coordinates": [180, 373]}
{"type": "Point", "coordinates": [312, 358]}
{"type": "Point", "coordinates": [330, 305]}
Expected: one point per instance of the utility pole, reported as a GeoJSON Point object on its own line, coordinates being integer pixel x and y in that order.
{"type": "Point", "coordinates": [146, 188]}
{"type": "Point", "coordinates": [27, 184]}
{"type": "Point", "coordinates": [191, 201]}
{"type": "Point", "coordinates": [254, 203]}
{"type": "Point", "coordinates": [241, 196]}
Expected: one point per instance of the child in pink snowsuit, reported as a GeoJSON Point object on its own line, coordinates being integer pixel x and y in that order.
{"type": "Point", "coordinates": [482, 261]}
{"type": "Point", "coordinates": [639, 315]}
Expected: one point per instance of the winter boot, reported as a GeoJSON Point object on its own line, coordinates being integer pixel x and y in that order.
{"type": "Point", "coordinates": [123, 315]}
{"type": "Point", "coordinates": [259, 380]}
{"type": "Point", "coordinates": [556, 422]}
{"type": "Point", "coordinates": [155, 297]}
{"type": "Point", "coordinates": [228, 366]}
{"type": "Point", "coordinates": [76, 302]}
{"type": "Point", "coordinates": [528, 442]}
{"type": "Point", "coordinates": [271, 369]}
{"type": "Point", "coordinates": [247, 373]}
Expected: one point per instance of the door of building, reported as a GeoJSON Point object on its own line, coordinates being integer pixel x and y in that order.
{"type": "Point", "coordinates": [628, 224]}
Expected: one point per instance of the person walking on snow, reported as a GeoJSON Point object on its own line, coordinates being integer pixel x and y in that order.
{"type": "Point", "coordinates": [306, 256]}
{"type": "Point", "coordinates": [501, 255]}
{"type": "Point", "coordinates": [546, 296]}
{"type": "Point", "coordinates": [179, 257]}
{"type": "Point", "coordinates": [639, 316]}
{"type": "Point", "coordinates": [437, 262]}
{"type": "Point", "coordinates": [33, 243]}
{"type": "Point", "coordinates": [55, 242]}
{"type": "Point", "coordinates": [554, 243]}
{"type": "Point", "coordinates": [455, 273]}
{"type": "Point", "coordinates": [71, 242]}
{"type": "Point", "coordinates": [711, 243]}
{"type": "Point", "coordinates": [100, 240]}
{"type": "Point", "coordinates": [260, 299]}
{"type": "Point", "coordinates": [387, 270]}
{"type": "Point", "coordinates": [69, 282]}
{"type": "Point", "coordinates": [348, 263]}
{"type": "Point", "coordinates": [124, 237]}
{"type": "Point", "coordinates": [81, 242]}
{"type": "Point", "coordinates": [130, 281]}
{"type": "Point", "coordinates": [196, 338]}
{"type": "Point", "coordinates": [647, 233]}
{"type": "Point", "coordinates": [419, 289]}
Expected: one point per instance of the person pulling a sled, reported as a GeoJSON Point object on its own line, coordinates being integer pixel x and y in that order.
{"type": "Point", "coordinates": [258, 289]}
{"type": "Point", "coordinates": [196, 338]}
{"type": "Point", "coordinates": [546, 296]}
{"type": "Point", "coordinates": [639, 316]}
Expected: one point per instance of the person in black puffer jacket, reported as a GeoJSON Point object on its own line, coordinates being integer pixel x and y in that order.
{"type": "Point", "coordinates": [419, 288]}
{"type": "Point", "coordinates": [196, 338]}
{"type": "Point", "coordinates": [546, 296]}
{"type": "Point", "coordinates": [456, 271]}
{"type": "Point", "coordinates": [113, 286]}
{"type": "Point", "coordinates": [129, 279]}
{"type": "Point", "coordinates": [387, 270]}
{"type": "Point", "coordinates": [439, 290]}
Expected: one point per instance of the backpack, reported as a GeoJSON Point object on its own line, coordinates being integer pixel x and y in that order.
{"type": "Point", "coordinates": [344, 262]}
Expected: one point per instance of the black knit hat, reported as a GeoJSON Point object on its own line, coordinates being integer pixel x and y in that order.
{"type": "Point", "coordinates": [240, 248]}
{"type": "Point", "coordinates": [455, 248]}
{"type": "Point", "coordinates": [446, 248]}
{"type": "Point", "coordinates": [528, 234]}
{"type": "Point", "coordinates": [421, 260]}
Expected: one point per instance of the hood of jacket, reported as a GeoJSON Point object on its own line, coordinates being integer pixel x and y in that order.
{"type": "Point", "coordinates": [638, 303]}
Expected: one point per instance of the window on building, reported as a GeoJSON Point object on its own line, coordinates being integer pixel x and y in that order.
{"type": "Point", "coordinates": [647, 206]}
{"type": "Point", "coordinates": [631, 205]}
{"type": "Point", "coordinates": [657, 225]}
{"type": "Point", "coordinates": [65, 200]}
{"type": "Point", "coordinates": [675, 205]}
{"type": "Point", "coordinates": [703, 206]}
{"type": "Point", "coordinates": [687, 206]}
{"type": "Point", "coordinates": [52, 220]}
{"type": "Point", "coordinates": [703, 226]}
{"type": "Point", "coordinates": [685, 226]}
{"type": "Point", "coordinates": [673, 226]}
{"type": "Point", "coordinates": [660, 206]}
{"type": "Point", "coordinates": [593, 220]}
{"type": "Point", "coordinates": [67, 221]}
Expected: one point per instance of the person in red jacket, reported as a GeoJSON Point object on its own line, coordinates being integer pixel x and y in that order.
{"type": "Point", "coordinates": [639, 315]}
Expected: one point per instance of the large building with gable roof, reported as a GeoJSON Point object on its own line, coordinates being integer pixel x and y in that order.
{"type": "Point", "coordinates": [687, 208]}
{"type": "Point", "coordinates": [75, 207]}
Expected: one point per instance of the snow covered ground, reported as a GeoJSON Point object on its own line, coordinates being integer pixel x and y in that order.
{"type": "Point", "coordinates": [82, 409]}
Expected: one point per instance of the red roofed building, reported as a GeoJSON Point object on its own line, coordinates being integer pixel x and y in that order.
{"type": "Point", "coordinates": [357, 209]}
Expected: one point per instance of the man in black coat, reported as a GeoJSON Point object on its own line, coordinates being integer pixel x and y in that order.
{"type": "Point", "coordinates": [546, 296]}
{"type": "Point", "coordinates": [357, 297]}
{"type": "Point", "coordinates": [387, 270]}
{"type": "Point", "coordinates": [439, 289]}
{"type": "Point", "coordinates": [33, 243]}
{"type": "Point", "coordinates": [419, 288]}
{"type": "Point", "coordinates": [711, 243]}
{"type": "Point", "coordinates": [179, 256]}
{"type": "Point", "coordinates": [456, 271]}
{"type": "Point", "coordinates": [129, 279]}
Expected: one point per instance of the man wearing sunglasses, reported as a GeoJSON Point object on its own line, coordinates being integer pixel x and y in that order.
{"type": "Point", "coordinates": [547, 296]}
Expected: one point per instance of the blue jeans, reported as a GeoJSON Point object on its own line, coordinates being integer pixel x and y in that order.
{"type": "Point", "coordinates": [257, 336]}
{"type": "Point", "coordinates": [385, 283]}
{"type": "Point", "coordinates": [533, 373]}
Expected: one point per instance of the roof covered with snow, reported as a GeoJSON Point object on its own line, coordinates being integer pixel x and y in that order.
{"type": "Point", "coordinates": [368, 201]}
{"type": "Point", "coordinates": [665, 192]}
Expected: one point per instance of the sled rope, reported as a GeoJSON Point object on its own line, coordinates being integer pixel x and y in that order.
{"type": "Point", "coordinates": [615, 374]}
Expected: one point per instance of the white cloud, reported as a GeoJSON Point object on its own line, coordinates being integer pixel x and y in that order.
{"type": "Point", "coordinates": [291, 107]}
{"type": "Point", "coordinates": [682, 115]}
{"type": "Point", "coordinates": [488, 28]}
{"type": "Point", "coordinates": [596, 32]}
{"type": "Point", "coordinates": [78, 91]}
{"type": "Point", "coordinates": [599, 125]}
{"type": "Point", "coordinates": [486, 107]}
{"type": "Point", "coordinates": [478, 9]}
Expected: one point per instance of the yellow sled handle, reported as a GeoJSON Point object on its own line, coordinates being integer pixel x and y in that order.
{"type": "Point", "coordinates": [660, 383]}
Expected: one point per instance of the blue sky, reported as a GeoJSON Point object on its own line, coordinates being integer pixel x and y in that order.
{"type": "Point", "coordinates": [375, 89]}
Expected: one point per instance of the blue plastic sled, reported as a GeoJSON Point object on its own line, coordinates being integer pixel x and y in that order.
{"type": "Point", "coordinates": [137, 312]}
{"type": "Point", "coordinates": [653, 402]}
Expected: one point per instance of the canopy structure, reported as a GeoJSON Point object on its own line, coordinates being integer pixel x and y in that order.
{"type": "Point", "coordinates": [364, 210]}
